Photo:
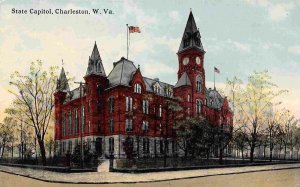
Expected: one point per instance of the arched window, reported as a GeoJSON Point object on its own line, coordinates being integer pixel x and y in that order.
{"type": "Point", "coordinates": [137, 88]}
{"type": "Point", "coordinates": [198, 84]}
{"type": "Point", "coordinates": [198, 106]}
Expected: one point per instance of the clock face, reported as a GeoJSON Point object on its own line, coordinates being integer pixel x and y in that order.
{"type": "Point", "coordinates": [185, 61]}
{"type": "Point", "coordinates": [198, 60]}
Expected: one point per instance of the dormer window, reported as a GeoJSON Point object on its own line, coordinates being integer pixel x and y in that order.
{"type": "Point", "coordinates": [157, 88]}
{"type": "Point", "coordinates": [197, 41]}
{"type": "Point", "coordinates": [186, 42]}
{"type": "Point", "coordinates": [169, 92]}
{"type": "Point", "coordinates": [137, 88]}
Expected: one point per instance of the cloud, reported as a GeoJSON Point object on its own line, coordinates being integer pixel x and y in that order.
{"type": "Point", "coordinates": [280, 11]}
{"type": "Point", "coordinates": [242, 46]}
{"type": "Point", "coordinates": [276, 12]}
{"type": "Point", "coordinates": [294, 49]}
{"type": "Point", "coordinates": [174, 15]}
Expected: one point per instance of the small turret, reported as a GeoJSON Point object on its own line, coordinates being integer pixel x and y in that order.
{"type": "Point", "coordinates": [62, 82]}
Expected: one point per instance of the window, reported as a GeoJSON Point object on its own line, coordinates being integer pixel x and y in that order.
{"type": "Point", "coordinates": [145, 106]}
{"type": "Point", "coordinates": [169, 92]}
{"type": "Point", "coordinates": [198, 84]}
{"type": "Point", "coordinates": [197, 41]}
{"type": "Point", "coordinates": [111, 145]}
{"type": "Point", "coordinates": [111, 125]}
{"type": "Point", "coordinates": [198, 106]}
{"type": "Point", "coordinates": [64, 124]}
{"type": "Point", "coordinates": [205, 102]}
{"type": "Point", "coordinates": [189, 111]}
{"type": "Point", "coordinates": [76, 120]}
{"type": "Point", "coordinates": [220, 120]}
{"type": "Point", "coordinates": [146, 149]}
{"type": "Point", "coordinates": [160, 127]}
{"type": "Point", "coordinates": [137, 88]}
{"type": "Point", "coordinates": [99, 90]}
{"type": "Point", "coordinates": [155, 147]}
{"type": "Point", "coordinates": [70, 122]}
{"type": "Point", "coordinates": [82, 120]}
{"type": "Point", "coordinates": [161, 146]}
{"type": "Point", "coordinates": [145, 126]}
{"type": "Point", "coordinates": [157, 89]}
{"type": "Point", "coordinates": [167, 146]}
{"type": "Point", "coordinates": [89, 127]}
{"type": "Point", "coordinates": [128, 104]}
{"type": "Point", "coordinates": [160, 111]}
{"type": "Point", "coordinates": [88, 144]}
{"type": "Point", "coordinates": [186, 42]}
{"type": "Point", "coordinates": [99, 106]}
{"type": "Point", "coordinates": [111, 104]}
{"type": "Point", "coordinates": [189, 98]}
{"type": "Point", "coordinates": [128, 125]}
{"type": "Point", "coordinates": [70, 146]}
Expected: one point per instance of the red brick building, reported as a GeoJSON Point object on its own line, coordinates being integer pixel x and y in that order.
{"type": "Point", "coordinates": [124, 103]}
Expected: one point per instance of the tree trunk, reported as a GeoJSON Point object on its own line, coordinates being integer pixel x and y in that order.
{"type": "Point", "coordinates": [242, 153]}
{"type": "Point", "coordinates": [284, 151]}
{"type": "Point", "coordinates": [271, 152]}
{"type": "Point", "coordinates": [252, 147]}
{"type": "Point", "coordinates": [42, 150]}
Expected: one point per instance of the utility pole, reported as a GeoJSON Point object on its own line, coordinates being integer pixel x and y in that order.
{"type": "Point", "coordinates": [82, 124]}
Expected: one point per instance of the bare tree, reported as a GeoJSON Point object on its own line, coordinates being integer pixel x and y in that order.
{"type": "Point", "coordinates": [253, 103]}
{"type": "Point", "coordinates": [34, 97]}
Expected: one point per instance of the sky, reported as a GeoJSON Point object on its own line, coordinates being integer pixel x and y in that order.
{"type": "Point", "coordinates": [239, 37]}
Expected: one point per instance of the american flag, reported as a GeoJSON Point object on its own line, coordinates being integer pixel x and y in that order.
{"type": "Point", "coordinates": [217, 70]}
{"type": "Point", "coordinates": [133, 29]}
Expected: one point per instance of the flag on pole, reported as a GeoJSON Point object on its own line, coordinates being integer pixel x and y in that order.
{"type": "Point", "coordinates": [217, 70]}
{"type": "Point", "coordinates": [133, 29]}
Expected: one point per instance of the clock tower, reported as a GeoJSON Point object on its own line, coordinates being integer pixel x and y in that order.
{"type": "Point", "coordinates": [191, 74]}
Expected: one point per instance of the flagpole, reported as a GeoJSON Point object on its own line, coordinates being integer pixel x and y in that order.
{"type": "Point", "coordinates": [214, 79]}
{"type": "Point", "coordinates": [127, 39]}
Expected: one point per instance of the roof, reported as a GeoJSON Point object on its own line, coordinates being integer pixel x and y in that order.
{"type": "Point", "coordinates": [190, 36]}
{"type": "Point", "coordinates": [95, 65]}
{"type": "Point", "coordinates": [122, 73]}
{"type": "Point", "coordinates": [75, 94]}
{"type": "Point", "coordinates": [184, 80]}
{"type": "Point", "coordinates": [151, 82]}
{"type": "Point", "coordinates": [213, 98]}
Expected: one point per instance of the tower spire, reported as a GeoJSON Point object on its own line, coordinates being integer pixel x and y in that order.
{"type": "Point", "coordinates": [95, 65]}
{"type": "Point", "coordinates": [191, 37]}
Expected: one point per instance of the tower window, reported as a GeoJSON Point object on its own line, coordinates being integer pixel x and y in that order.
{"type": "Point", "coordinates": [198, 106]}
{"type": "Point", "coordinates": [198, 84]}
{"type": "Point", "coordinates": [186, 42]}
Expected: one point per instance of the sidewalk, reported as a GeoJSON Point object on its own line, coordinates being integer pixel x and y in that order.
{"type": "Point", "coordinates": [112, 177]}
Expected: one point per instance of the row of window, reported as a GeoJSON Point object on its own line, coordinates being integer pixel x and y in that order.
{"type": "Point", "coordinates": [129, 125]}
{"type": "Point", "coordinates": [157, 89]}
